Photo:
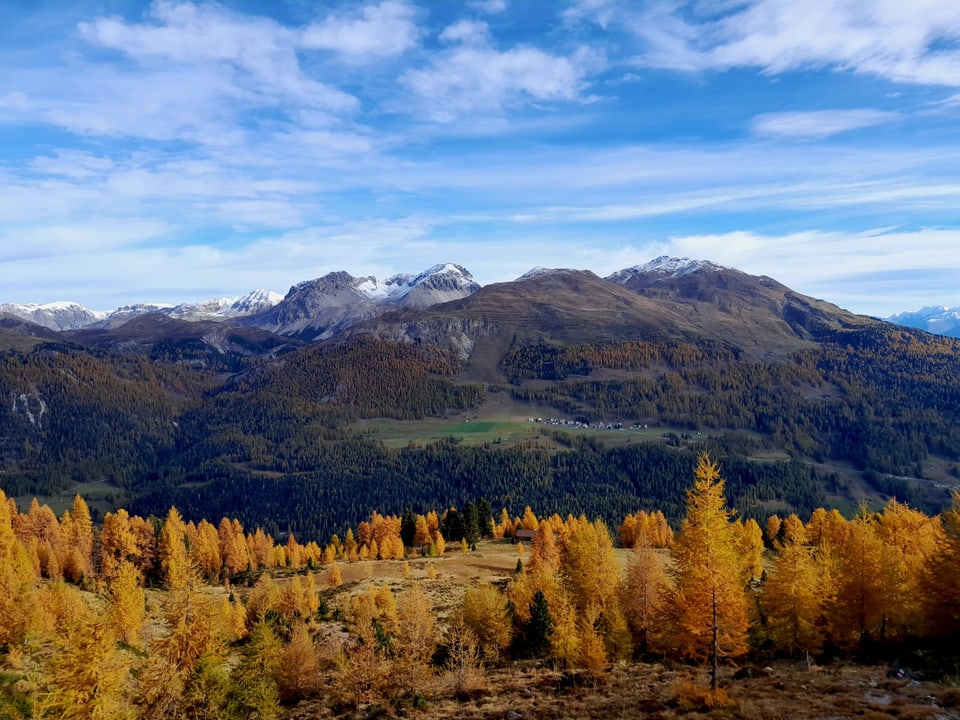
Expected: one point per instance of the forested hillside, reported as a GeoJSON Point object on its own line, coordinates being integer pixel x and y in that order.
{"type": "Point", "coordinates": [805, 404]}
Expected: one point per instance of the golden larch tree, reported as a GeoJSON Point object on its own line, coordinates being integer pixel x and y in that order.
{"type": "Point", "coordinates": [793, 599]}
{"type": "Point", "coordinates": [174, 560]}
{"type": "Point", "coordinates": [127, 603]}
{"type": "Point", "coordinates": [941, 578]}
{"type": "Point", "coordinates": [706, 613]}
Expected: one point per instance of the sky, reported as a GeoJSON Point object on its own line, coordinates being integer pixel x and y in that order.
{"type": "Point", "coordinates": [174, 151]}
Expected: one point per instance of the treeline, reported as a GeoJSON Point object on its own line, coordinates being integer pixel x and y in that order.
{"type": "Point", "coordinates": [331, 485]}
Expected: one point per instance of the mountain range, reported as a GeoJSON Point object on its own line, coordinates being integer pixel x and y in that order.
{"type": "Point", "coordinates": [323, 307]}
{"type": "Point", "coordinates": [938, 319]}
{"type": "Point", "coordinates": [256, 405]}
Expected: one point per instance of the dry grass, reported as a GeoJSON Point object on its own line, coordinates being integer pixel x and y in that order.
{"type": "Point", "coordinates": [529, 690]}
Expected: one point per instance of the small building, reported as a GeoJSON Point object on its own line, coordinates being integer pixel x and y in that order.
{"type": "Point", "coordinates": [526, 535]}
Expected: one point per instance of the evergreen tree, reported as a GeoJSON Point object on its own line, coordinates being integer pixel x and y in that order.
{"type": "Point", "coordinates": [540, 626]}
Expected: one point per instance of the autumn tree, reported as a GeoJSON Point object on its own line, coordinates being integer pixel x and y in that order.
{"type": "Point", "coordinates": [174, 560]}
{"type": "Point", "coordinates": [127, 603]}
{"type": "Point", "coordinates": [642, 595]}
{"type": "Point", "coordinates": [77, 530]}
{"type": "Point", "coordinates": [87, 675]}
{"type": "Point", "coordinates": [233, 547]}
{"type": "Point", "coordinates": [909, 538]}
{"type": "Point", "coordinates": [195, 635]}
{"type": "Point", "coordinates": [855, 610]}
{"type": "Point", "coordinates": [484, 613]}
{"type": "Point", "coordinates": [334, 577]}
{"type": "Point", "coordinates": [297, 671]}
{"type": "Point", "coordinates": [589, 566]}
{"type": "Point", "coordinates": [117, 543]}
{"type": "Point", "coordinates": [706, 613]}
{"type": "Point", "coordinates": [941, 578]}
{"type": "Point", "coordinates": [17, 577]}
{"type": "Point", "coordinates": [205, 551]}
{"type": "Point", "coordinates": [793, 599]}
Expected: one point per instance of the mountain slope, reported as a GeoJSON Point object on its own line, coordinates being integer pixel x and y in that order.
{"type": "Point", "coordinates": [204, 344]}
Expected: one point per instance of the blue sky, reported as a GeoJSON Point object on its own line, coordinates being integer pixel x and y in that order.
{"type": "Point", "coordinates": [174, 151]}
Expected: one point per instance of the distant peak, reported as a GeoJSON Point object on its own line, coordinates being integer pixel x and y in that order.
{"type": "Point", "coordinates": [667, 265]}
{"type": "Point", "coordinates": [540, 271]}
{"type": "Point", "coordinates": [442, 269]}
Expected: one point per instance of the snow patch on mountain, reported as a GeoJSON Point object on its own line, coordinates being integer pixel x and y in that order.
{"type": "Point", "coordinates": [666, 265]}
{"type": "Point", "coordinates": [62, 315]}
{"type": "Point", "coordinates": [540, 271]}
{"type": "Point", "coordinates": [937, 319]}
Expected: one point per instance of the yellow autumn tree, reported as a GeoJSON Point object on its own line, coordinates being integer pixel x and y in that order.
{"type": "Point", "coordinates": [205, 551]}
{"type": "Point", "coordinates": [751, 549]}
{"type": "Point", "coordinates": [793, 599]}
{"type": "Point", "coordinates": [642, 595]}
{"type": "Point", "coordinates": [233, 546]}
{"type": "Point", "coordinates": [856, 608]}
{"type": "Point", "coordinates": [298, 671]}
{"type": "Point", "coordinates": [941, 577]}
{"type": "Point", "coordinates": [484, 612]}
{"type": "Point", "coordinates": [194, 635]}
{"type": "Point", "coordinates": [589, 566]}
{"type": "Point", "coordinates": [117, 543]}
{"type": "Point", "coordinates": [17, 578]}
{"type": "Point", "coordinates": [706, 614]}
{"type": "Point", "coordinates": [87, 675]}
{"type": "Point", "coordinates": [334, 577]}
{"type": "Point", "coordinates": [127, 603]}
{"type": "Point", "coordinates": [78, 541]}
{"type": "Point", "coordinates": [174, 560]}
{"type": "Point", "coordinates": [909, 538]}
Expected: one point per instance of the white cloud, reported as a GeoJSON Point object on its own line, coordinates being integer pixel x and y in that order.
{"type": "Point", "coordinates": [903, 42]}
{"type": "Point", "coordinates": [491, 7]}
{"type": "Point", "coordinates": [375, 32]}
{"type": "Point", "coordinates": [259, 52]}
{"type": "Point", "coordinates": [479, 79]}
{"type": "Point", "coordinates": [466, 31]}
{"type": "Point", "coordinates": [818, 123]}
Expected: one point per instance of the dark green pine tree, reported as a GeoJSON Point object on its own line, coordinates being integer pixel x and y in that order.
{"type": "Point", "coordinates": [471, 523]}
{"type": "Point", "coordinates": [540, 626]}
{"type": "Point", "coordinates": [485, 517]}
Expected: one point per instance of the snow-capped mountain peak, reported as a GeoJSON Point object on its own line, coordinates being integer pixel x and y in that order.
{"type": "Point", "coordinates": [937, 319]}
{"type": "Point", "coordinates": [668, 266]}
{"type": "Point", "coordinates": [540, 271]}
{"type": "Point", "coordinates": [61, 315]}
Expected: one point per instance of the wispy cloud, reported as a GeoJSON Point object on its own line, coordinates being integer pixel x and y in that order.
{"type": "Point", "coordinates": [818, 123]}
{"type": "Point", "coordinates": [896, 41]}
{"type": "Point", "coordinates": [474, 77]}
